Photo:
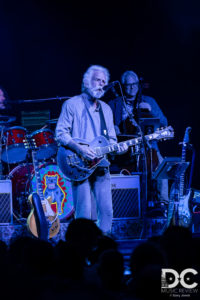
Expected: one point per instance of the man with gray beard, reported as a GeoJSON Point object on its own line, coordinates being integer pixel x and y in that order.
{"type": "Point", "coordinates": [85, 116]}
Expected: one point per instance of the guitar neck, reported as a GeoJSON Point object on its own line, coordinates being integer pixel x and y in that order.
{"type": "Point", "coordinates": [37, 176]}
{"type": "Point", "coordinates": [184, 147]}
{"type": "Point", "coordinates": [100, 151]}
{"type": "Point", "coordinates": [182, 177]}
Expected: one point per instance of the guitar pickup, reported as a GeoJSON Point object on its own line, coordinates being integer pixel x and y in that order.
{"type": "Point", "coordinates": [69, 160]}
{"type": "Point", "coordinates": [72, 160]}
{"type": "Point", "coordinates": [76, 159]}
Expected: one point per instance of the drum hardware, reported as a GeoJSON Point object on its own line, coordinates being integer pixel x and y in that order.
{"type": "Point", "coordinates": [52, 121]}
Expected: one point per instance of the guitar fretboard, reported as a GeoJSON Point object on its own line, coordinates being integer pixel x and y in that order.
{"type": "Point", "coordinates": [182, 177]}
{"type": "Point", "coordinates": [162, 134]}
{"type": "Point", "coordinates": [100, 151]}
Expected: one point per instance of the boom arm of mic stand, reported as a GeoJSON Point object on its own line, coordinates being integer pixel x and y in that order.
{"type": "Point", "coordinates": [38, 100]}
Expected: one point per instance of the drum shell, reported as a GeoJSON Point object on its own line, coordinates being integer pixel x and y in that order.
{"type": "Point", "coordinates": [45, 143]}
{"type": "Point", "coordinates": [21, 179]}
{"type": "Point", "coordinates": [13, 149]}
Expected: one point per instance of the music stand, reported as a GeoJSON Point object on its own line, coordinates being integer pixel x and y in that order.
{"type": "Point", "coordinates": [170, 168]}
{"type": "Point", "coordinates": [149, 125]}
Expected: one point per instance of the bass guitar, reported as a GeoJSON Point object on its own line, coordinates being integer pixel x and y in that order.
{"type": "Point", "coordinates": [76, 168]}
{"type": "Point", "coordinates": [42, 221]}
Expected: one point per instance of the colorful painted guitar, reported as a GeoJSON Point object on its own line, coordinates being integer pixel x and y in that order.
{"type": "Point", "coordinates": [75, 168]}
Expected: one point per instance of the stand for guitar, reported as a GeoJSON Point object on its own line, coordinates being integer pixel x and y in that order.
{"type": "Point", "coordinates": [171, 168]}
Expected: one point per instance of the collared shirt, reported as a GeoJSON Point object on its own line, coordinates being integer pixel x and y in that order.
{"type": "Point", "coordinates": [75, 122]}
{"type": "Point", "coordinates": [156, 112]}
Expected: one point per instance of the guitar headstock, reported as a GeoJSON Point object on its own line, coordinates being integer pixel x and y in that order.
{"type": "Point", "coordinates": [162, 133]}
{"type": "Point", "coordinates": [186, 138]}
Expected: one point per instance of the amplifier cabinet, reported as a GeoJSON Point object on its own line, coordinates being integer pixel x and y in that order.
{"type": "Point", "coordinates": [6, 212]}
{"type": "Point", "coordinates": [126, 196]}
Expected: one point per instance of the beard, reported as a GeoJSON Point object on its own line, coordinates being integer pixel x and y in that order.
{"type": "Point", "coordinates": [96, 92]}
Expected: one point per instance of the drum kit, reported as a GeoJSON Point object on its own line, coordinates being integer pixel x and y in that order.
{"type": "Point", "coordinates": [16, 158]}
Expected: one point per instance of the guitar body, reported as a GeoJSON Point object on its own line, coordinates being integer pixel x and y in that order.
{"type": "Point", "coordinates": [76, 168]}
{"type": "Point", "coordinates": [36, 220]}
{"type": "Point", "coordinates": [185, 216]}
{"type": "Point", "coordinates": [182, 216]}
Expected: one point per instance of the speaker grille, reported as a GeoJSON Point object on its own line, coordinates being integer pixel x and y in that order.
{"type": "Point", "coordinates": [6, 215]}
{"type": "Point", "coordinates": [5, 208]}
{"type": "Point", "coordinates": [125, 203]}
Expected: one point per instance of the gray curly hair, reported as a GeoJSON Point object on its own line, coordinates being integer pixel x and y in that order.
{"type": "Point", "coordinates": [128, 73]}
{"type": "Point", "coordinates": [88, 75]}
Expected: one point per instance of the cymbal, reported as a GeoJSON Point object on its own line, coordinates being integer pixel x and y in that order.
{"type": "Point", "coordinates": [52, 121]}
{"type": "Point", "coordinates": [6, 119]}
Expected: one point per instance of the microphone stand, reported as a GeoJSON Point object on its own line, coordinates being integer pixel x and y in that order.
{"type": "Point", "coordinates": [38, 100]}
{"type": "Point", "coordinates": [144, 165]}
{"type": "Point", "coordinates": [1, 139]}
{"type": "Point", "coordinates": [149, 202]}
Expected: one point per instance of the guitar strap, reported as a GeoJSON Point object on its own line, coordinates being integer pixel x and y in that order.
{"type": "Point", "coordinates": [104, 130]}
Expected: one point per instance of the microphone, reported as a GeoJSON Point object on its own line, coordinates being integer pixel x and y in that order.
{"type": "Point", "coordinates": [109, 86]}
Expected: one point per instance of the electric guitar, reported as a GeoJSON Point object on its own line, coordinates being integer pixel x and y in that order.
{"type": "Point", "coordinates": [42, 221]}
{"type": "Point", "coordinates": [178, 209]}
{"type": "Point", "coordinates": [184, 214]}
{"type": "Point", "coordinates": [76, 168]}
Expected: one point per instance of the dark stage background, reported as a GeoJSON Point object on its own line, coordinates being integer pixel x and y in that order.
{"type": "Point", "coordinates": [46, 46]}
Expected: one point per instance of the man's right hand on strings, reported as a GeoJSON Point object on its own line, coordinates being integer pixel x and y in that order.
{"type": "Point", "coordinates": [86, 152]}
{"type": "Point", "coordinates": [82, 150]}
